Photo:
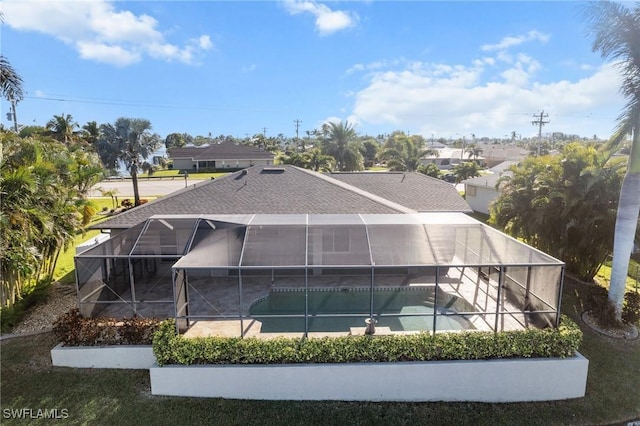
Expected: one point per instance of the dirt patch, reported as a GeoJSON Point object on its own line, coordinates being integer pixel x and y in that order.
{"type": "Point", "coordinates": [629, 332]}
{"type": "Point", "coordinates": [61, 299]}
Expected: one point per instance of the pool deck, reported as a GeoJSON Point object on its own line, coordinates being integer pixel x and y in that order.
{"type": "Point", "coordinates": [214, 301]}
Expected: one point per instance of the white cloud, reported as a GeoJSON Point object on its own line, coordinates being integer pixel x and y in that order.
{"type": "Point", "coordinates": [327, 21]}
{"type": "Point", "coordinates": [445, 99]}
{"type": "Point", "coordinates": [511, 41]}
{"type": "Point", "coordinates": [100, 32]}
{"type": "Point", "coordinates": [114, 55]}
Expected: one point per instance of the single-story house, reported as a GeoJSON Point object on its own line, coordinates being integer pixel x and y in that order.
{"type": "Point", "coordinates": [286, 250]}
{"type": "Point", "coordinates": [481, 191]}
{"type": "Point", "coordinates": [494, 154]}
{"type": "Point", "coordinates": [224, 156]}
{"type": "Point", "coordinates": [447, 158]}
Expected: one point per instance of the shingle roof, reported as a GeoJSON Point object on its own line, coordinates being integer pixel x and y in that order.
{"type": "Point", "coordinates": [220, 151]}
{"type": "Point", "coordinates": [414, 190]}
{"type": "Point", "coordinates": [289, 190]}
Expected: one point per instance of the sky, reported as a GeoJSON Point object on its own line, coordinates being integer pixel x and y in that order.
{"type": "Point", "coordinates": [446, 69]}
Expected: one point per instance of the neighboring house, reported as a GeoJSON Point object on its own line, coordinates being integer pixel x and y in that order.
{"type": "Point", "coordinates": [447, 158]}
{"type": "Point", "coordinates": [225, 156]}
{"type": "Point", "coordinates": [481, 191]}
{"type": "Point", "coordinates": [496, 154]}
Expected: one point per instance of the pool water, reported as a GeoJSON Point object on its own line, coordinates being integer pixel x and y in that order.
{"type": "Point", "coordinates": [337, 302]}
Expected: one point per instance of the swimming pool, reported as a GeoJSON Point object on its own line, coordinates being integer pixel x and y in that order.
{"type": "Point", "coordinates": [331, 310]}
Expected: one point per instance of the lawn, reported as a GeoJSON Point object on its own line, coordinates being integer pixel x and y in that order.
{"type": "Point", "coordinates": [65, 266]}
{"type": "Point", "coordinates": [123, 397]}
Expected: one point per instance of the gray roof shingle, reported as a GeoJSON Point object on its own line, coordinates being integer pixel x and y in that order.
{"type": "Point", "coordinates": [414, 190]}
{"type": "Point", "coordinates": [290, 190]}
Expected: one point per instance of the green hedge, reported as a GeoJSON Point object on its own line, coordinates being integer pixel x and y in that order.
{"type": "Point", "coordinates": [170, 348]}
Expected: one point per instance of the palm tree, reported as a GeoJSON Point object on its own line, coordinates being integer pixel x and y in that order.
{"type": "Point", "coordinates": [62, 128]}
{"type": "Point", "coordinates": [315, 160]}
{"type": "Point", "coordinates": [402, 153]}
{"type": "Point", "coordinates": [131, 141]}
{"type": "Point", "coordinates": [473, 151]}
{"type": "Point", "coordinates": [616, 35]}
{"type": "Point", "coordinates": [10, 81]}
{"type": "Point", "coordinates": [91, 132]}
{"type": "Point", "coordinates": [341, 142]}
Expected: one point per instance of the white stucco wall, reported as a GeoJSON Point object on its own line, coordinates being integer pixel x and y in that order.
{"type": "Point", "coordinates": [123, 356]}
{"type": "Point", "coordinates": [512, 380]}
{"type": "Point", "coordinates": [482, 199]}
{"type": "Point", "coordinates": [185, 164]}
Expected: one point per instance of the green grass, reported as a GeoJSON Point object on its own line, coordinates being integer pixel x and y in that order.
{"type": "Point", "coordinates": [604, 275]}
{"type": "Point", "coordinates": [123, 396]}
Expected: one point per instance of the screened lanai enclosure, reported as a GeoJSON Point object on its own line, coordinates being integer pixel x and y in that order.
{"type": "Point", "coordinates": [255, 275]}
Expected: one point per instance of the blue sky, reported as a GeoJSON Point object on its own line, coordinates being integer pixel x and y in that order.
{"type": "Point", "coordinates": [447, 69]}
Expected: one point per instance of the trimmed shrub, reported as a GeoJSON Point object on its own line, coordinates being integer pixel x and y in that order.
{"type": "Point", "coordinates": [73, 329]}
{"type": "Point", "coordinates": [561, 342]}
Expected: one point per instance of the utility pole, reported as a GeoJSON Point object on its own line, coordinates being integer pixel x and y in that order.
{"type": "Point", "coordinates": [539, 120]}
{"type": "Point", "coordinates": [264, 132]}
{"type": "Point", "coordinates": [297, 126]}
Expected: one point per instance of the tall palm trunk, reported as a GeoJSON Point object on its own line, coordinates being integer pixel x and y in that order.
{"type": "Point", "coordinates": [626, 224]}
{"type": "Point", "coordinates": [134, 180]}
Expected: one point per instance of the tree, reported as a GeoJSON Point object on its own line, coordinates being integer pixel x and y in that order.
{"type": "Point", "coordinates": [175, 140]}
{"type": "Point", "coordinates": [132, 142]}
{"type": "Point", "coordinates": [473, 151]}
{"type": "Point", "coordinates": [370, 148]}
{"type": "Point", "coordinates": [341, 142]}
{"type": "Point", "coordinates": [90, 133]}
{"type": "Point", "coordinates": [315, 160]}
{"type": "Point", "coordinates": [430, 170]}
{"type": "Point", "coordinates": [616, 35]}
{"type": "Point", "coordinates": [62, 128]}
{"type": "Point", "coordinates": [564, 205]}
{"type": "Point", "coordinates": [466, 170]}
{"type": "Point", "coordinates": [402, 153]}
{"type": "Point", "coordinates": [41, 211]}
{"type": "Point", "coordinates": [261, 141]}
{"type": "Point", "coordinates": [10, 81]}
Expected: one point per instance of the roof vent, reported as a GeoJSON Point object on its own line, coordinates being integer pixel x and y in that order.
{"type": "Point", "coordinates": [273, 170]}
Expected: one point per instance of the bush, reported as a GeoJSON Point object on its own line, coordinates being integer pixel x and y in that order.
{"type": "Point", "coordinates": [171, 348]}
{"type": "Point", "coordinates": [73, 329]}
